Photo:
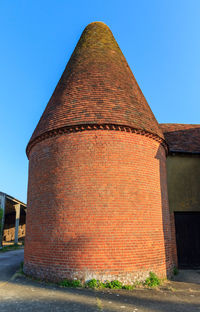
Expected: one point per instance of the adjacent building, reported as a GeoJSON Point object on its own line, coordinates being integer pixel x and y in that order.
{"type": "Point", "coordinates": [183, 172]}
{"type": "Point", "coordinates": [13, 219]}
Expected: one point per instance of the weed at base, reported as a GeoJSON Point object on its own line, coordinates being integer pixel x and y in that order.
{"type": "Point", "coordinates": [152, 280]}
{"type": "Point", "coordinates": [21, 269]}
{"type": "Point", "coordinates": [93, 283]}
{"type": "Point", "coordinates": [99, 304]}
{"type": "Point", "coordinates": [70, 283]}
{"type": "Point", "coordinates": [175, 271]}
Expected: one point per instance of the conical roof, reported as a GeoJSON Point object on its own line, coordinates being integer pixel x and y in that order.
{"type": "Point", "coordinates": [97, 87]}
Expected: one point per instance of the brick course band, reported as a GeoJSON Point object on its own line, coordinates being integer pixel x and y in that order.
{"type": "Point", "coordinates": [97, 87]}
{"type": "Point", "coordinates": [89, 127]}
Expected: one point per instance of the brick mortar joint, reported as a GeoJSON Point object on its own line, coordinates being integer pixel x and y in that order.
{"type": "Point", "coordinates": [94, 127]}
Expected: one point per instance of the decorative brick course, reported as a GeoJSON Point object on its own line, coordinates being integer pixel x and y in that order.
{"type": "Point", "coordinates": [92, 127]}
{"type": "Point", "coordinates": [97, 87]}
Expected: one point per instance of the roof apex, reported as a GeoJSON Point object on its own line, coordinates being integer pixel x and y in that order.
{"type": "Point", "coordinates": [97, 87]}
{"type": "Point", "coordinates": [98, 23]}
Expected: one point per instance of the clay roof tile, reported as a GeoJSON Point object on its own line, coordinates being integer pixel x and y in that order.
{"type": "Point", "coordinates": [184, 138]}
{"type": "Point", "coordinates": [97, 86]}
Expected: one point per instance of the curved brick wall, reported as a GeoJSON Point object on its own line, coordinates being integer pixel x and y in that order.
{"type": "Point", "coordinates": [97, 207]}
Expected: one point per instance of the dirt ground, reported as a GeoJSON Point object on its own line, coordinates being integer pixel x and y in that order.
{"type": "Point", "coordinates": [19, 293]}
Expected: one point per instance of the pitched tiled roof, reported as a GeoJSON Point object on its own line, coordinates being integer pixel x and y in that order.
{"type": "Point", "coordinates": [97, 87]}
{"type": "Point", "coordinates": [182, 137]}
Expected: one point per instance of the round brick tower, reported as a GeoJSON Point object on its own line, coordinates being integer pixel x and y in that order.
{"type": "Point", "coordinates": [97, 193]}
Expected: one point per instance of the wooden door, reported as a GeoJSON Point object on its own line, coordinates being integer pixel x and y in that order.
{"type": "Point", "coordinates": [187, 226]}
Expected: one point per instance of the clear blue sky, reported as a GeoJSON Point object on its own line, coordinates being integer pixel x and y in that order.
{"type": "Point", "coordinates": [159, 38]}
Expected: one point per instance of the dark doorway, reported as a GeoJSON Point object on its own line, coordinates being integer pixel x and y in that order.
{"type": "Point", "coordinates": [188, 239]}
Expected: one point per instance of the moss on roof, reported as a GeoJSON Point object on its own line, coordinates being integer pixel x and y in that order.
{"type": "Point", "coordinates": [97, 86]}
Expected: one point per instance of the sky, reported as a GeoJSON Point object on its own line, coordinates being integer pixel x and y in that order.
{"type": "Point", "coordinates": [159, 38]}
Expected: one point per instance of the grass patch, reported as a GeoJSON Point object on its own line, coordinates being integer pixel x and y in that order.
{"type": "Point", "coordinates": [11, 247]}
{"type": "Point", "coordinates": [175, 271]}
{"type": "Point", "coordinates": [172, 289]}
{"type": "Point", "coordinates": [152, 280]}
{"type": "Point", "coordinates": [93, 283]}
{"type": "Point", "coordinates": [71, 283]}
{"type": "Point", "coordinates": [114, 285]}
{"type": "Point", "coordinates": [99, 304]}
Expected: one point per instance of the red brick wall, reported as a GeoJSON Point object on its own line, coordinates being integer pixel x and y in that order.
{"type": "Point", "coordinates": [95, 208]}
{"type": "Point", "coordinates": [174, 247]}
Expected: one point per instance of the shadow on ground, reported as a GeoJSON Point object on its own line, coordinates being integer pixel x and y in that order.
{"type": "Point", "coordinates": [27, 295]}
{"type": "Point", "coordinates": [24, 294]}
{"type": "Point", "coordinates": [188, 276]}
